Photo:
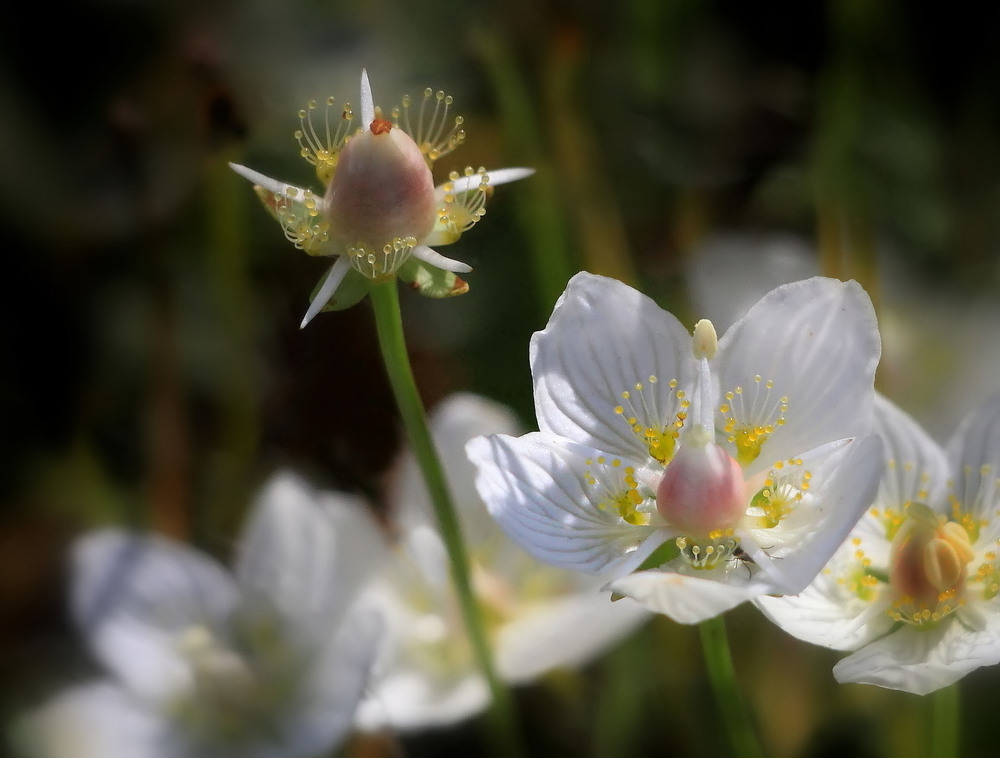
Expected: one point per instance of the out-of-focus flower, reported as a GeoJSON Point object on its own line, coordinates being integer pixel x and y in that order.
{"type": "Point", "coordinates": [538, 617]}
{"type": "Point", "coordinates": [914, 590]}
{"type": "Point", "coordinates": [267, 661]}
{"type": "Point", "coordinates": [381, 212]}
{"type": "Point", "coordinates": [698, 472]}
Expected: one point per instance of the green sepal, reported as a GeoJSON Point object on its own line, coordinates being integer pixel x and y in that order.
{"type": "Point", "coordinates": [430, 280]}
{"type": "Point", "coordinates": [351, 291]}
{"type": "Point", "coordinates": [665, 552]}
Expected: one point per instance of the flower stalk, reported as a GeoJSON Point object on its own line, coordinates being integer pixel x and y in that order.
{"type": "Point", "coordinates": [389, 325]}
{"type": "Point", "coordinates": [732, 706]}
{"type": "Point", "coordinates": [945, 731]}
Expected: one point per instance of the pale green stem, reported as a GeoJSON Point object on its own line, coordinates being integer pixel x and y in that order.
{"type": "Point", "coordinates": [389, 323]}
{"type": "Point", "coordinates": [945, 731]}
{"type": "Point", "coordinates": [733, 708]}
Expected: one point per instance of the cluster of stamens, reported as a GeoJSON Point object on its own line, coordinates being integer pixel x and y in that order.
{"type": "Point", "coordinates": [657, 428]}
{"type": "Point", "coordinates": [619, 489]}
{"type": "Point", "coordinates": [322, 148]}
{"type": "Point", "coordinates": [858, 579]}
{"type": "Point", "coordinates": [907, 610]}
{"type": "Point", "coordinates": [784, 488]}
{"type": "Point", "coordinates": [377, 265]}
{"type": "Point", "coordinates": [431, 130]}
{"type": "Point", "coordinates": [460, 211]}
{"type": "Point", "coordinates": [305, 229]}
{"type": "Point", "coordinates": [752, 416]}
{"type": "Point", "coordinates": [720, 548]}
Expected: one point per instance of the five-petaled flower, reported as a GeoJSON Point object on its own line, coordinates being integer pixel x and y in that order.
{"type": "Point", "coordinates": [537, 617]}
{"type": "Point", "coordinates": [915, 590]}
{"type": "Point", "coordinates": [700, 472]}
{"type": "Point", "coordinates": [380, 213]}
{"type": "Point", "coordinates": [268, 661]}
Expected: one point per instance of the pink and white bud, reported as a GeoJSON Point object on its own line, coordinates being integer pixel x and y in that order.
{"type": "Point", "coordinates": [702, 490]}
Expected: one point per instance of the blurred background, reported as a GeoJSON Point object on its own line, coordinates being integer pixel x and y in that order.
{"type": "Point", "coordinates": [153, 373]}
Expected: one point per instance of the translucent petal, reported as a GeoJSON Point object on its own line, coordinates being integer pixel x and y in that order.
{"type": "Point", "coordinates": [974, 458]}
{"type": "Point", "coordinates": [434, 258]}
{"type": "Point", "coordinates": [133, 595]}
{"type": "Point", "coordinates": [921, 660]}
{"type": "Point", "coordinates": [916, 466]}
{"type": "Point", "coordinates": [326, 291]}
{"type": "Point", "coordinates": [685, 599]}
{"type": "Point", "coordinates": [306, 555]}
{"type": "Point", "coordinates": [564, 631]}
{"type": "Point", "coordinates": [844, 481]}
{"type": "Point", "coordinates": [97, 721]}
{"type": "Point", "coordinates": [602, 339]}
{"type": "Point", "coordinates": [408, 700]}
{"type": "Point", "coordinates": [826, 614]}
{"type": "Point", "coordinates": [817, 340]}
{"type": "Point", "coordinates": [496, 177]}
{"type": "Point", "coordinates": [337, 680]}
{"type": "Point", "coordinates": [453, 422]}
{"type": "Point", "coordinates": [534, 487]}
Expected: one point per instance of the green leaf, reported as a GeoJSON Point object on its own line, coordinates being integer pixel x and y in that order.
{"type": "Point", "coordinates": [665, 552]}
{"type": "Point", "coordinates": [432, 281]}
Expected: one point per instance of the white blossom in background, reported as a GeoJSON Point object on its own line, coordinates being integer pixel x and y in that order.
{"type": "Point", "coordinates": [267, 661]}
{"type": "Point", "coordinates": [914, 590]}
{"type": "Point", "coordinates": [538, 617]}
{"type": "Point", "coordinates": [699, 472]}
{"type": "Point", "coordinates": [380, 212]}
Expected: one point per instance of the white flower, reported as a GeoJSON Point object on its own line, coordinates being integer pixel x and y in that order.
{"type": "Point", "coordinates": [380, 212]}
{"type": "Point", "coordinates": [698, 472]}
{"type": "Point", "coordinates": [914, 590]}
{"type": "Point", "coordinates": [267, 661]}
{"type": "Point", "coordinates": [538, 617]}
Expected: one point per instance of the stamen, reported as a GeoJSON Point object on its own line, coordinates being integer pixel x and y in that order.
{"type": "Point", "coordinates": [785, 486]}
{"type": "Point", "coordinates": [749, 422]}
{"type": "Point", "coordinates": [460, 211]}
{"type": "Point", "coordinates": [615, 488]}
{"type": "Point", "coordinates": [653, 426]}
{"type": "Point", "coordinates": [380, 266]}
{"type": "Point", "coordinates": [719, 549]}
{"type": "Point", "coordinates": [431, 131]}
{"type": "Point", "coordinates": [323, 151]}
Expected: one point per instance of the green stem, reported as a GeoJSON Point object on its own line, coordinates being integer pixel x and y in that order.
{"type": "Point", "coordinates": [389, 324]}
{"type": "Point", "coordinates": [945, 732]}
{"type": "Point", "coordinates": [735, 716]}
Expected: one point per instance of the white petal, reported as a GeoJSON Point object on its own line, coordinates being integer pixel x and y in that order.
{"type": "Point", "coordinates": [337, 679]}
{"type": "Point", "coordinates": [564, 631]}
{"type": "Point", "coordinates": [921, 660]}
{"type": "Point", "coordinates": [685, 599]}
{"type": "Point", "coordinates": [333, 279]}
{"type": "Point", "coordinates": [96, 721]}
{"type": "Point", "coordinates": [271, 185]}
{"type": "Point", "coordinates": [367, 101]}
{"type": "Point", "coordinates": [434, 258]}
{"type": "Point", "coordinates": [845, 478]}
{"type": "Point", "coordinates": [917, 468]}
{"type": "Point", "coordinates": [826, 614]}
{"type": "Point", "coordinates": [974, 457]}
{"type": "Point", "coordinates": [132, 596]}
{"type": "Point", "coordinates": [453, 422]}
{"type": "Point", "coordinates": [409, 700]}
{"type": "Point", "coordinates": [534, 487]}
{"type": "Point", "coordinates": [306, 555]}
{"type": "Point", "coordinates": [817, 340]}
{"type": "Point", "coordinates": [604, 337]}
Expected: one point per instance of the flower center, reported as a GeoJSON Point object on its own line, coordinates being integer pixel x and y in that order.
{"type": "Point", "coordinates": [928, 563]}
{"type": "Point", "coordinates": [702, 489]}
{"type": "Point", "coordinates": [380, 202]}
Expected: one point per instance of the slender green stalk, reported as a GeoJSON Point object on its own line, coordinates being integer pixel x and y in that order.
{"type": "Point", "coordinates": [945, 731]}
{"type": "Point", "coordinates": [735, 716]}
{"type": "Point", "coordinates": [389, 323]}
